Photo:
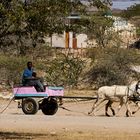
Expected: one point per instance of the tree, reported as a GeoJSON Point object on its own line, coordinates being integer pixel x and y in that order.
{"type": "Point", "coordinates": [102, 5]}
{"type": "Point", "coordinates": [132, 11]}
{"type": "Point", "coordinates": [133, 15]}
{"type": "Point", "coordinates": [97, 25]}
{"type": "Point", "coordinates": [11, 25]}
{"type": "Point", "coordinates": [99, 28]}
{"type": "Point", "coordinates": [49, 16]}
{"type": "Point", "coordinates": [23, 26]}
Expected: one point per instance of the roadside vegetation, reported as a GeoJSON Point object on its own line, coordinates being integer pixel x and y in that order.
{"type": "Point", "coordinates": [23, 27]}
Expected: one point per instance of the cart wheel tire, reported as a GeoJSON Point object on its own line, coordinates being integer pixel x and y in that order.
{"type": "Point", "coordinates": [49, 107]}
{"type": "Point", "coordinates": [30, 106]}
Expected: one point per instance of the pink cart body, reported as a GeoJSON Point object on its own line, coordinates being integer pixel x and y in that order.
{"type": "Point", "coordinates": [21, 92]}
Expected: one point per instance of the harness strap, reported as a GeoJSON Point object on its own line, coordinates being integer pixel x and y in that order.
{"type": "Point", "coordinates": [127, 91]}
{"type": "Point", "coordinates": [137, 87]}
{"type": "Point", "coordinates": [115, 93]}
{"type": "Point", "coordinates": [136, 95]}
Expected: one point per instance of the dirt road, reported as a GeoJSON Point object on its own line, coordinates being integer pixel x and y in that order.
{"type": "Point", "coordinates": [75, 120]}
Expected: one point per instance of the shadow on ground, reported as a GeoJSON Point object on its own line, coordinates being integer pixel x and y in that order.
{"type": "Point", "coordinates": [19, 136]}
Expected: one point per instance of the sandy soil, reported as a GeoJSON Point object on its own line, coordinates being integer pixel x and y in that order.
{"type": "Point", "coordinates": [16, 125]}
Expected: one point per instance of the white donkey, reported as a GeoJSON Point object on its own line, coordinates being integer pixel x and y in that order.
{"type": "Point", "coordinates": [117, 93]}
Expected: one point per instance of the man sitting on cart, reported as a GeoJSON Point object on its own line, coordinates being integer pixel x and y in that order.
{"type": "Point", "coordinates": [29, 78]}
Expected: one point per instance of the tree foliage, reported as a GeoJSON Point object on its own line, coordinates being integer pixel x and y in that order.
{"type": "Point", "coordinates": [12, 17]}
{"type": "Point", "coordinates": [101, 4]}
{"type": "Point", "coordinates": [99, 28]}
{"type": "Point", "coordinates": [25, 25]}
{"type": "Point", "coordinates": [133, 14]}
{"type": "Point", "coordinates": [132, 11]}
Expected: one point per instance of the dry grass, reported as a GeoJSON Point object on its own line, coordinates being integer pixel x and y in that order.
{"type": "Point", "coordinates": [71, 136]}
{"type": "Point", "coordinates": [72, 92]}
{"type": "Point", "coordinates": [98, 136]}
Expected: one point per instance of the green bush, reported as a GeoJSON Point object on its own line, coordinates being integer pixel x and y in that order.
{"type": "Point", "coordinates": [64, 70]}
{"type": "Point", "coordinates": [112, 66]}
{"type": "Point", "coordinates": [61, 70]}
{"type": "Point", "coordinates": [11, 69]}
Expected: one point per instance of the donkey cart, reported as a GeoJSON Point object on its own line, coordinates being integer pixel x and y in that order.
{"type": "Point", "coordinates": [32, 101]}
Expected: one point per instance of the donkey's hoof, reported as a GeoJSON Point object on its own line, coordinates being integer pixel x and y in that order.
{"type": "Point", "coordinates": [128, 114]}
{"type": "Point", "coordinates": [133, 112]}
{"type": "Point", "coordinates": [89, 113]}
{"type": "Point", "coordinates": [113, 112]}
{"type": "Point", "coordinates": [107, 115]}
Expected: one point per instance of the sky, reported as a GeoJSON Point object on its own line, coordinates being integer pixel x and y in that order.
{"type": "Point", "coordinates": [121, 4]}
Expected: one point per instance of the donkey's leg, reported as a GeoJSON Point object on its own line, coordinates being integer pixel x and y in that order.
{"type": "Point", "coordinates": [101, 101]}
{"type": "Point", "coordinates": [138, 107]}
{"type": "Point", "coordinates": [97, 103]}
{"type": "Point", "coordinates": [113, 111]}
{"type": "Point", "coordinates": [94, 106]}
{"type": "Point", "coordinates": [106, 108]}
{"type": "Point", "coordinates": [109, 105]}
{"type": "Point", "coordinates": [120, 105]}
{"type": "Point", "coordinates": [128, 111]}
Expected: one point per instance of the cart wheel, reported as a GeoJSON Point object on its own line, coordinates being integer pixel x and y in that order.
{"type": "Point", "coordinates": [49, 107]}
{"type": "Point", "coordinates": [30, 106]}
